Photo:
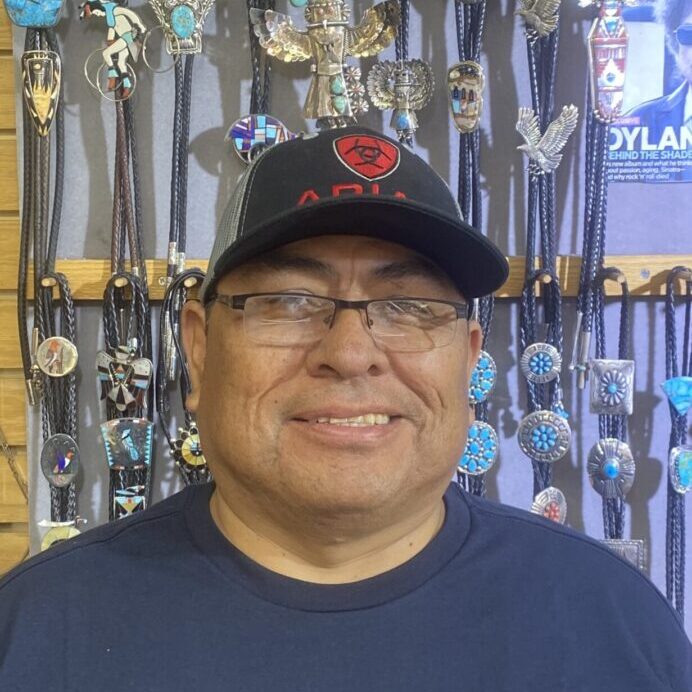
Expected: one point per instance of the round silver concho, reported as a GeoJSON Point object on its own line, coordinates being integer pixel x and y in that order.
{"type": "Point", "coordinates": [550, 504]}
{"type": "Point", "coordinates": [680, 464]}
{"type": "Point", "coordinates": [481, 449]}
{"type": "Point", "coordinates": [544, 436]}
{"type": "Point", "coordinates": [483, 378]}
{"type": "Point", "coordinates": [60, 460]}
{"type": "Point", "coordinates": [611, 468]}
{"type": "Point", "coordinates": [56, 356]}
{"type": "Point", "coordinates": [540, 363]}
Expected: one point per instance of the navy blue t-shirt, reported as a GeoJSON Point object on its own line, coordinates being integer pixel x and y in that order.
{"type": "Point", "coordinates": [498, 600]}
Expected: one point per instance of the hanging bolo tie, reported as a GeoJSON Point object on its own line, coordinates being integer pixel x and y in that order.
{"type": "Point", "coordinates": [182, 26]}
{"type": "Point", "coordinates": [125, 375]}
{"type": "Point", "coordinates": [465, 83]}
{"type": "Point", "coordinates": [49, 355]}
{"type": "Point", "coordinates": [678, 389]}
{"type": "Point", "coordinates": [185, 448]}
{"type": "Point", "coordinates": [544, 434]}
{"type": "Point", "coordinates": [124, 366]}
{"type": "Point", "coordinates": [610, 463]}
{"type": "Point", "coordinates": [608, 40]}
{"type": "Point", "coordinates": [403, 85]}
{"type": "Point", "coordinates": [251, 134]}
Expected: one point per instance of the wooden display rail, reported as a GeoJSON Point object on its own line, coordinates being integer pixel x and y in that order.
{"type": "Point", "coordinates": [646, 274]}
{"type": "Point", "coordinates": [14, 512]}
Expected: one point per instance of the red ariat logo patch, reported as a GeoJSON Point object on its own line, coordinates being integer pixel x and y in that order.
{"type": "Point", "coordinates": [369, 157]}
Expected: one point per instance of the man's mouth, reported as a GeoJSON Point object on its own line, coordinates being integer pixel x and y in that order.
{"type": "Point", "coordinates": [365, 419]}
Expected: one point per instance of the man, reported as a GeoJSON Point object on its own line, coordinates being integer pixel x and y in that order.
{"type": "Point", "coordinates": [330, 362]}
{"type": "Point", "coordinates": [674, 109]}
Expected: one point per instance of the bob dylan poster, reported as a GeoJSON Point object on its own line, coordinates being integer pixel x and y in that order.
{"type": "Point", "coordinates": [651, 142]}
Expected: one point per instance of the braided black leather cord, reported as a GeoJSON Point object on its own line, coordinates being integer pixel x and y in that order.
{"type": "Point", "coordinates": [542, 60]}
{"type": "Point", "coordinates": [40, 227]}
{"type": "Point", "coordinates": [401, 39]}
{"type": "Point", "coordinates": [59, 127]}
{"type": "Point", "coordinates": [675, 510]}
{"type": "Point", "coordinates": [470, 21]}
{"type": "Point", "coordinates": [59, 404]}
{"type": "Point", "coordinates": [260, 64]}
{"type": "Point", "coordinates": [175, 296]}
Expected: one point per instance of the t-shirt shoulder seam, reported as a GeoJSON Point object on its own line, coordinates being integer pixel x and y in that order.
{"type": "Point", "coordinates": [584, 539]}
{"type": "Point", "coordinates": [50, 558]}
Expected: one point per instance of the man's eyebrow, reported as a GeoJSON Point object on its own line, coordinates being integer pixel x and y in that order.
{"type": "Point", "coordinates": [417, 267]}
{"type": "Point", "coordinates": [412, 268]}
{"type": "Point", "coordinates": [279, 261]}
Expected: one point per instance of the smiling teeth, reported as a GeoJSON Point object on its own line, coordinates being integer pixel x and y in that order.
{"type": "Point", "coordinates": [367, 419]}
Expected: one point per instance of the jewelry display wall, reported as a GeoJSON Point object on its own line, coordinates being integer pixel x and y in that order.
{"type": "Point", "coordinates": [224, 95]}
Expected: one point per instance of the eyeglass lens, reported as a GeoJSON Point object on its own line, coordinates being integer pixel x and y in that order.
{"type": "Point", "coordinates": [401, 325]}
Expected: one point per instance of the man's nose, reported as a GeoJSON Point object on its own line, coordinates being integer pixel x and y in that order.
{"type": "Point", "coordinates": [348, 349]}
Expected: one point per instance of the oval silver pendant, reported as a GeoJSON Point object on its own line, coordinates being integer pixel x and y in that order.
{"type": "Point", "coordinates": [680, 465]}
{"type": "Point", "coordinates": [550, 504]}
{"type": "Point", "coordinates": [540, 363]}
{"type": "Point", "coordinates": [544, 436]}
{"type": "Point", "coordinates": [611, 468]}
{"type": "Point", "coordinates": [60, 460]}
{"type": "Point", "coordinates": [56, 356]}
{"type": "Point", "coordinates": [481, 449]}
{"type": "Point", "coordinates": [483, 378]}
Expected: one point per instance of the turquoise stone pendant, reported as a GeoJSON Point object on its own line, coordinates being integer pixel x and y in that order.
{"type": "Point", "coordinates": [481, 449]}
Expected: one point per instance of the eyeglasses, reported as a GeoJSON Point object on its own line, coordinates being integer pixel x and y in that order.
{"type": "Point", "coordinates": [299, 319]}
{"type": "Point", "coordinates": [683, 34]}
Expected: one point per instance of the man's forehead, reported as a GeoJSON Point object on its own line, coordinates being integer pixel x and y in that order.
{"type": "Point", "coordinates": [328, 257]}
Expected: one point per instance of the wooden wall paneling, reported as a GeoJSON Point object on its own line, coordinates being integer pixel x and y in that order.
{"type": "Point", "coordinates": [14, 545]}
{"type": "Point", "coordinates": [14, 529]}
{"type": "Point", "coordinates": [9, 250]}
{"type": "Point", "coordinates": [9, 196]}
{"type": "Point", "coordinates": [10, 355]}
{"type": "Point", "coordinates": [13, 505]}
{"type": "Point", "coordinates": [5, 31]}
{"type": "Point", "coordinates": [13, 407]}
{"type": "Point", "coordinates": [7, 121]}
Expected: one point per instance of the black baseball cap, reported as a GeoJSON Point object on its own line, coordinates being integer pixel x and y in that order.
{"type": "Point", "coordinates": [352, 181]}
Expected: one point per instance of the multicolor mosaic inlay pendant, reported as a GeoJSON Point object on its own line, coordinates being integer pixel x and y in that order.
{"type": "Point", "coordinates": [187, 449]}
{"type": "Point", "coordinates": [611, 468]}
{"type": "Point", "coordinates": [544, 436]}
{"type": "Point", "coordinates": [550, 504]}
{"type": "Point", "coordinates": [481, 449]}
{"type": "Point", "coordinates": [60, 460]}
{"type": "Point", "coordinates": [128, 442]}
{"type": "Point", "coordinates": [252, 134]}
{"type": "Point", "coordinates": [483, 378]}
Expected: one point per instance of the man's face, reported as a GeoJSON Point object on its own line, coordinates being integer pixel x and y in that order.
{"type": "Point", "coordinates": [683, 57]}
{"type": "Point", "coordinates": [257, 406]}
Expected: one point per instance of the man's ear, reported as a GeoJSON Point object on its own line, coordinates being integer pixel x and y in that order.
{"type": "Point", "coordinates": [475, 342]}
{"type": "Point", "coordinates": [193, 329]}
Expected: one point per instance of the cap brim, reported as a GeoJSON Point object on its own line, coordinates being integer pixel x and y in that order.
{"type": "Point", "coordinates": [474, 264]}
